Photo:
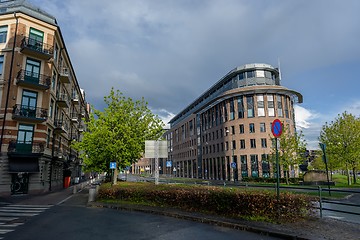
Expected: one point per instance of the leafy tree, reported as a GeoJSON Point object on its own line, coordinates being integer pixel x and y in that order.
{"type": "Point", "coordinates": [318, 162]}
{"type": "Point", "coordinates": [118, 133]}
{"type": "Point", "coordinates": [292, 147]}
{"type": "Point", "coordinates": [342, 139]}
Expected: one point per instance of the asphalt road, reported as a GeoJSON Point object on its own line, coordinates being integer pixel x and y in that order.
{"type": "Point", "coordinates": [72, 220]}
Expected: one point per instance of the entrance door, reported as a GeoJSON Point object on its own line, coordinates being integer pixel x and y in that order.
{"type": "Point", "coordinates": [19, 183]}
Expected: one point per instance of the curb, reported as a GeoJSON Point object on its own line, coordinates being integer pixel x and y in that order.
{"type": "Point", "coordinates": [201, 218]}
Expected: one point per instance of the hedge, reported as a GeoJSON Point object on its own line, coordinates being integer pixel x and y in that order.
{"type": "Point", "coordinates": [229, 202]}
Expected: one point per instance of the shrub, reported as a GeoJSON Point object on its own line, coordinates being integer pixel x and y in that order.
{"type": "Point", "coordinates": [217, 200]}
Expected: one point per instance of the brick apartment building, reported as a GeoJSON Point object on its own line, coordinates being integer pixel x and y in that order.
{"type": "Point", "coordinates": [42, 107]}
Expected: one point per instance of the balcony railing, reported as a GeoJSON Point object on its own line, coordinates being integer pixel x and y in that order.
{"type": "Point", "coordinates": [64, 75]}
{"type": "Point", "coordinates": [28, 113]}
{"type": "Point", "coordinates": [24, 147]}
{"type": "Point", "coordinates": [61, 126]}
{"type": "Point", "coordinates": [36, 48]}
{"type": "Point", "coordinates": [75, 98]}
{"type": "Point", "coordinates": [33, 80]}
{"type": "Point", "coordinates": [63, 101]}
{"type": "Point", "coordinates": [75, 117]}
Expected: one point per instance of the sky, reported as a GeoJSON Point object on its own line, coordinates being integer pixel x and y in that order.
{"type": "Point", "coordinates": [171, 51]}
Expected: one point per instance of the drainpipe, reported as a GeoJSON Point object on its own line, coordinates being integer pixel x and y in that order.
{"type": "Point", "coordinates": [9, 83]}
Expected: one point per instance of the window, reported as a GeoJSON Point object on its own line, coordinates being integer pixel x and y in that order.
{"type": "Point", "coordinates": [242, 144]}
{"type": "Point", "coordinates": [53, 81]}
{"type": "Point", "coordinates": [36, 38]}
{"type": "Point", "coordinates": [265, 166]}
{"type": "Point", "coordinates": [241, 76]}
{"type": "Point", "coordinates": [48, 137]}
{"type": "Point", "coordinates": [262, 127]}
{"type": "Point", "coordinates": [28, 104]}
{"type": "Point", "coordinates": [254, 166]}
{"type": "Point", "coordinates": [1, 64]}
{"type": "Point", "coordinates": [252, 143]}
{"type": "Point", "coordinates": [252, 128]}
{"type": "Point", "coordinates": [240, 107]}
{"type": "Point", "coordinates": [250, 106]}
{"type": "Point", "coordinates": [226, 146]}
{"type": "Point", "coordinates": [241, 127]}
{"type": "Point", "coordinates": [3, 34]}
{"type": "Point", "coordinates": [232, 109]}
{"type": "Point", "coordinates": [260, 73]}
{"type": "Point", "coordinates": [32, 71]}
{"type": "Point", "coordinates": [25, 138]}
{"type": "Point", "coordinates": [244, 171]}
{"type": "Point", "coordinates": [56, 52]}
{"type": "Point", "coordinates": [51, 112]}
{"type": "Point", "coordinates": [286, 108]}
{"type": "Point", "coordinates": [225, 113]}
{"type": "Point", "coordinates": [263, 143]}
{"type": "Point", "coordinates": [270, 102]}
{"type": "Point", "coordinates": [250, 74]}
{"type": "Point", "coordinates": [279, 106]}
{"type": "Point", "coordinates": [260, 105]}
{"type": "Point", "coordinates": [233, 144]}
{"type": "Point", "coordinates": [232, 130]}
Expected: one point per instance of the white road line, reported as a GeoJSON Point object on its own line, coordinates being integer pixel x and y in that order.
{"type": "Point", "coordinates": [17, 214]}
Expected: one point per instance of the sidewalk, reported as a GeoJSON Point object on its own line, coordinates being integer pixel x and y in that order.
{"type": "Point", "coordinates": [50, 198]}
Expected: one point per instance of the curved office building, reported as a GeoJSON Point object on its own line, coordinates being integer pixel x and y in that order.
{"type": "Point", "coordinates": [231, 122]}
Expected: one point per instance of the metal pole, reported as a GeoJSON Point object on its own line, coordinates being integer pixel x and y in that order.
{"type": "Point", "coordinates": [277, 171]}
{"type": "Point", "coordinates": [156, 162]}
{"type": "Point", "coordinates": [9, 84]}
{"type": "Point", "coordinates": [320, 201]}
{"type": "Point", "coordinates": [327, 173]}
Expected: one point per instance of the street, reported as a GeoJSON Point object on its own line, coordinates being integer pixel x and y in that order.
{"type": "Point", "coordinates": [73, 220]}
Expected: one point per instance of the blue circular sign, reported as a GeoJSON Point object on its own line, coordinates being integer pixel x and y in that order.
{"type": "Point", "coordinates": [233, 164]}
{"type": "Point", "coordinates": [276, 128]}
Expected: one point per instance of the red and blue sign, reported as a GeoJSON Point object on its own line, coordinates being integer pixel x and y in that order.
{"type": "Point", "coordinates": [276, 128]}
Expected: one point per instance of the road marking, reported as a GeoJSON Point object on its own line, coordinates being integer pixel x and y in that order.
{"type": "Point", "coordinates": [13, 215]}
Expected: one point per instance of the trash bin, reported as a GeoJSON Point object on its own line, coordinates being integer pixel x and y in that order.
{"type": "Point", "coordinates": [66, 182]}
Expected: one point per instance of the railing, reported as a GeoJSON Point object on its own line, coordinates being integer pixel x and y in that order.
{"type": "Point", "coordinates": [25, 147]}
{"type": "Point", "coordinates": [33, 78]}
{"type": "Point", "coordinates": [59, 124]}
{"type": "Point", "coordinates": [24, 111]}
{"type": "Point", "coordinates": [37, 46]}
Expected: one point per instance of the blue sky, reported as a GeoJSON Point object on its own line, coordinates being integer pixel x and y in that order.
{"type": "Point", "coordinates": [171, 51]}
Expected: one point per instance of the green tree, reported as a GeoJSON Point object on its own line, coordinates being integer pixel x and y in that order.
{"type": "Point", "coordinates": [118, 133]}
{"type": "Point", "coordinates": [342, 139]}
{"type": "Point", "coordinates": [291, 149]}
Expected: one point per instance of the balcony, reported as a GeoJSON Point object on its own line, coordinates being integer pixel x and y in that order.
{"type": "Point", "coordinates": [25, 148]}
{"type": "Point", "coordinates": [29, 114]}
{"type": "Point", "coordinates": [60, 154]}
{"type": "Point", "coordinates": [33, 80]}
{"type": "Point", "coordinates": [64, 75]}
{"type": "Point", "coordinates": [75, 117]}
{"type": "Point", "coordinates": [75, 99]}
{"type": "Point", "coordinates": [36, 49]}
{"type": "Point", "coordinates": [75, 137]}
{"type": "Point", "coordinates": [63, 101]}
{"type": "Point", "coordinates": [61, 126]}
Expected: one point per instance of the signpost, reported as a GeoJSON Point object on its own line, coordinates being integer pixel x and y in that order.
{"type": "Point", "coordinates": [112, 167]}
{"type": "Point", "coordinates": [323, 149]}
{"type": "Point", "coordinates": [276, 129]}
{"type": "Point", "coordinates": [156, 149]}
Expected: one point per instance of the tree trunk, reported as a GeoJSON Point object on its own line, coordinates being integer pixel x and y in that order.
{"type": "Point", "coordinates": [116, 171]}
{"type": "Point", "coordinates": [354, 175]}
{"type": "Point", "coordinates": [348, 176]}
{"type": "Point", "coordinates": [287, 177]}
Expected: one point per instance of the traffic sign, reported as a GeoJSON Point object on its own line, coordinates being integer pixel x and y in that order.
{"type": "Point", "coordinates": [276, 128]}
{"type": "Point", "coordinates": [233, 164]}
{"type": "Point", "coordinates": [112, 165]}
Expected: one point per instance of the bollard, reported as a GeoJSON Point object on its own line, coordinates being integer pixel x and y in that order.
{"type": "Point", "coordinates": [92, 193]}
{"type": "Point", "coordinates": [74, 189]}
